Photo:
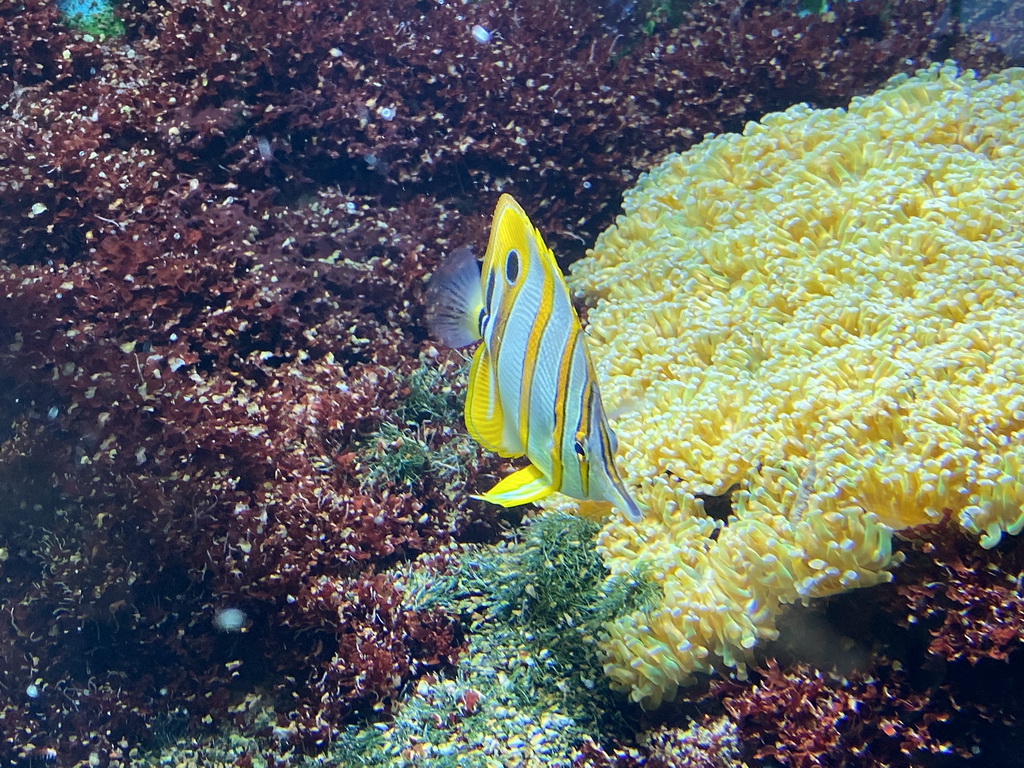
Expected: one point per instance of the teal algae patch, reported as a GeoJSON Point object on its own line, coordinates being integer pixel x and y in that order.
{"type": "Point", "coordinates": [92, 17]}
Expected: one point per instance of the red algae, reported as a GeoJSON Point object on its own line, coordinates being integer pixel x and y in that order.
{"type": "Point", "coordinates": [972, 604]}
{"type": "Point", "coordinates": [214, 234]}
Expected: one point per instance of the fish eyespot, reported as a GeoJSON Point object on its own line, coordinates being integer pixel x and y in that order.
{"type": "Point", "coordinates": [512, 266]}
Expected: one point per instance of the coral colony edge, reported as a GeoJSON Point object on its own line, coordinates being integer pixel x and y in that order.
{"type": "Point", "coordinates": [240, 524]}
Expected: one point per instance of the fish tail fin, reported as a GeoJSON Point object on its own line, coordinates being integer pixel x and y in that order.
{"type": "Point", "coordinates": [522, 487]}
{"type": "Point", "coordinates": [454, 300]}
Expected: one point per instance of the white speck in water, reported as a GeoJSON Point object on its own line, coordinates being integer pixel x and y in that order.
{"type": "Point", "coordinates": [481, 34]}
{"type": "Point", "coordinates": [265, 150]}
{"type": "Point", "coordinates": [387, 113]}
{"type": "Point", "coordinates": [229, 619]}
{"type": "Point", "coordinates": [32, 691]}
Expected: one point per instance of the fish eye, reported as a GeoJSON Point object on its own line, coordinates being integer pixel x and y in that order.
{"type": "Point", "coordinates": [581, 452]}
{"type": "Point", "coordinates": [512, 266]}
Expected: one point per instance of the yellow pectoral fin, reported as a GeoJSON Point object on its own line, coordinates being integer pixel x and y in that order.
{"type": "Point", "coordinates": [522, 487]}
{"type": "Point", "coordinates": [485, 419]}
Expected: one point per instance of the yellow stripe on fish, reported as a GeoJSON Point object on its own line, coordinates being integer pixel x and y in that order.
{"type": "Point", "coordinates": [532, 387]}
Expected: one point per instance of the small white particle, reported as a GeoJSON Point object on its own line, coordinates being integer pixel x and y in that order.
{"type": "Point", "coordinates": [229, 619]}
{"type": "Point", "coordinates": [264, 148]}
{"type": "Point", "coordinates": [481, 34]}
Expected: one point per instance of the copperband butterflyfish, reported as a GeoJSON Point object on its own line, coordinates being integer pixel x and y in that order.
{"type": "Point", "coordinates": [532, 387]}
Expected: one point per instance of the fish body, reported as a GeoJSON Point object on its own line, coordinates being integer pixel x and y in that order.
{"type": "Point", "coordinates": [532, 388]}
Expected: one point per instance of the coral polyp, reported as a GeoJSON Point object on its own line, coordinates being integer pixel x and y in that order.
{"type": "Point", "coordinates": [820, 320]}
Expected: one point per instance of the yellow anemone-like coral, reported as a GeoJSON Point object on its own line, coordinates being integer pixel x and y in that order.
{"type": "Point", "coordinates": [823, 316]}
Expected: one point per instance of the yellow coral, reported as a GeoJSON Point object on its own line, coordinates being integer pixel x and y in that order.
{"type": "Point", "coordinates": [825, 313]}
